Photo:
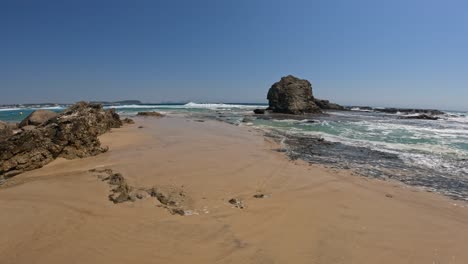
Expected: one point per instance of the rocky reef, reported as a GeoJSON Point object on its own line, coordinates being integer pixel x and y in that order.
{"type": "Point", "coordinates": [71, 134]}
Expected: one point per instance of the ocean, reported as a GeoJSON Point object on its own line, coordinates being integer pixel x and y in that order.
{"type": "Point", "coordinates": [430, 154]}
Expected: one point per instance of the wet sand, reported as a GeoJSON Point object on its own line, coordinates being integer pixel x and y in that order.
{"type": "Point", "coordinates": [61, 213]}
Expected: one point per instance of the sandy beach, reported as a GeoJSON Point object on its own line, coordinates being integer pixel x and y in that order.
{"type": "Point", "coordinates": [304, 214]}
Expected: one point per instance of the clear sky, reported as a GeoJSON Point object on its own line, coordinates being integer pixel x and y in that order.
{"type": "Point", "coordinates": [381, 53]}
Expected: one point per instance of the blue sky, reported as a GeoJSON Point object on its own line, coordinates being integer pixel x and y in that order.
{"type": "Point", "coordinates": [381, 53]}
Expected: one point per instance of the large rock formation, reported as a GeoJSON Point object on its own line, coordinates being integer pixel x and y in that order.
{"type": "Point", "coordinates": [72, 134]}
{"type": "Point", "coordinates": [38, 117]}
{"type": "Point", "coordinates": [292, 95]}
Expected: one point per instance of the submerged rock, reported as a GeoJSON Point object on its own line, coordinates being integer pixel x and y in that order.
{"type": "Point", "coordinates": [421, 116]}
{"type": "Point", "coordinates": [259, 111]}
{"type": "Point", "coordinates": [38, 117]}
{"type": "Point", "coordinates": [409, 111]}
{"type": "Point", "coordinates": [292, 95]}
{"type": "Point", "coordinates": [72, 134]}
{"type": "Point", "coordinates": [154, 114]}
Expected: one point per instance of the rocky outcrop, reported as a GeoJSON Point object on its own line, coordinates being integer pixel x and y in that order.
{"type": "Point", "coordinates": [38, 117]}
{"type": "Point", "coordinates": [153, 114]}
{"type": "Point", "coordinates": [392, 110]}
{"type": "Point", "coordinates": [421, 116]}
{"type": "Point", "coordinates": [5, 130]}
{"type": "Point", "coordinates": [72, 134]}
{"type": "Point", "coordinates": [327, 105]}
{"type": "Point", "coordinates": [292, 95]}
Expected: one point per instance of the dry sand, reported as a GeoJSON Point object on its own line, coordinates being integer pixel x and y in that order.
{"type": "Point", "coordinates": [61, 213]}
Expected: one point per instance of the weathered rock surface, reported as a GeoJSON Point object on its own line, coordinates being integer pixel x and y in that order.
{"type": "Point", "coordinates": [72, 134]}
{"type": "Point", "coordinates": [38, 117]}
{"type": "Point", "coordinates": [5, 130]}
{"type": "Point", "coordinates": [174, 199]}
{"type": "Point", "coordinates": [292, 95]}
{"type": "Point", "coordinates": [26, 128]}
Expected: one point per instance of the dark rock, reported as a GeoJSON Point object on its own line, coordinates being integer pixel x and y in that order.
{"type": "Point", "coordinates": [5, 131]}
{"type": "Point", "coordinates": [282, 150]}
{"type": "Point", "coordinates": [409, 111]}
{"type": "Point", "coordinates": [162, 197]}
{"type": "Point", "coordinates": [72, 134]}
{"type": "Point", "coordinates": [38, 117]}
{"type": "Point", "coordinates": [121, 191]}
{"type": "Point", "coordinates": [178, 211]}
{"type": "Point", "coordinates": [326, 105]}
{"type": "Point", "coordinates": [259, 195]}
{"type": "Point", "coordinates": [170, 198]}
{"type": "Point", "coordinates": [259, 111]}
{"type": "Point", "coordinates": [140, 126]}
{"type": "Point", "coordinates": [292, 95]}
{"type": "Point", "coordinates": [421, 116]}
{"type": "Point", "coordinates": [153, 114]}
{"type": "Point", "coordinates": [237, 203]}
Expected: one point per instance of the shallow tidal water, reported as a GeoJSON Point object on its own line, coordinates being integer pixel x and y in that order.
{"type": "Point", "coordinates": [432, 154]}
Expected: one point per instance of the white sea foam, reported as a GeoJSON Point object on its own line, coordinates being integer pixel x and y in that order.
{"type": "Point", "coordinates": [360, 110]}
{"type": "Point", "coordinates": [10, 109]}
{"type": "Point", "coordinates": [222, 106]}
{"type": "Point", "coordinates": [190, 105]}
{"type": "Point", "coordinates": [49, 108]}
{"type": "Point", "coordinates": [132, 106]}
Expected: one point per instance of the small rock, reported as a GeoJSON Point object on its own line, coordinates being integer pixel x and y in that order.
{"type": "Point", "coordinates": [281, 150]}
{"type": "Point", "coordinates": [237, 203]}
{"type": "Point", "coordinates": [128, 121]}
{"type": "Point", "coordinates": [388, 195]}
{"type": "Point", "coordinates": [259, 111]}
{"type": "Point", "coordinates": [153, 114]}
{"type": "Point", "coordinates": [177, 211]}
